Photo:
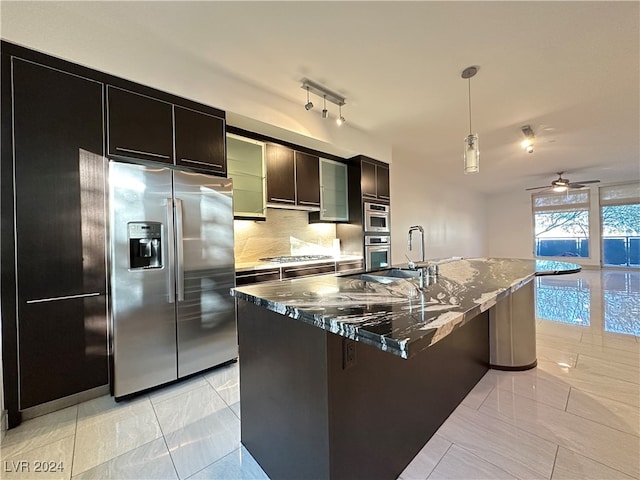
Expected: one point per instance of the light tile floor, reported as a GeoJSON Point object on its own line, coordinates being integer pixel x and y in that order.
{"type": "Point", "coordinates": [575, 416]}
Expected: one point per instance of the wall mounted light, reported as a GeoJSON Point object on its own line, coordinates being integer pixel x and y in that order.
{"type": "Point", "coordinates": [326, 94]}
{"type": "Point", "coordinates": [471, 146]}
{"type": "Point", "coordinates": [529, 138]}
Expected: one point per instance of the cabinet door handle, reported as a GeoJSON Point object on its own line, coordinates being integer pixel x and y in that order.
{"type": "Point", "coordinates": [140, 152]}
{"type": "Point", "coordinates": [282, 200]}
{"type": "Point", "coordinates": [66, 297]}
{"type": "Point", "coordinates": [188, 160]}
{"type": "Point", "coordinates": [309, 203]}
{"type": "Point", "coordinates": [386, 197]}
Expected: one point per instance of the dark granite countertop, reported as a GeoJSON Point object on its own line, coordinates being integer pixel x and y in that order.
{"type": "Point", "coordinates": [393, 314]}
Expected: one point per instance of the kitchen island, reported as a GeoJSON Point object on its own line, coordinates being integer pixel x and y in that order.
{"type": "Point", "coordinates": [348, 377]}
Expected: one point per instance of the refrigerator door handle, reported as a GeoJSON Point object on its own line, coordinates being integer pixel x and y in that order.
{"type": "Point", "coordinates": [171, 286]}
{"type": "Point", "coordinates": [179, 250]}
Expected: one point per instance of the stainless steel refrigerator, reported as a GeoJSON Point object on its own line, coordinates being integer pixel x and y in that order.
{"type": "Point", "coordinates": [172, 265]}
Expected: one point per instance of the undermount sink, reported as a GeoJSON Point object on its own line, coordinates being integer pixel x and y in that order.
{"type": "Point", "coordinates": [389, 275]}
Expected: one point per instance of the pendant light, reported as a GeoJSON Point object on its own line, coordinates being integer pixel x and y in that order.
{"type": "Point", "coordinates": [471, 147]}
{"type": "Point", "coordinates": [325, 112]}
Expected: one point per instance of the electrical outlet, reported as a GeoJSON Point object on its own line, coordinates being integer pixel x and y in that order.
{"type": "Point", "coordinates": [348, 353]}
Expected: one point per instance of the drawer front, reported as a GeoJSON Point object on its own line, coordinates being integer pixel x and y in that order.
{"type": "Point", "coordinates": [256, 276]}
{"type": "Point", "coordinates": [308, 270]}
{"type": "Point", "coordinates": [350, 265]}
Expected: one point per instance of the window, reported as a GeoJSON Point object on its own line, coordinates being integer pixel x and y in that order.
{"type": "Point", "coordinates": [620, 217]}
{"type": "Point", "coordinates": [561, 224]}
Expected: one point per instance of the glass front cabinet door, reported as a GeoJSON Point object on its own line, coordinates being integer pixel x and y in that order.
{"type": "Point", "coordinates": [334, 199]}
{"type": "Point", "coordinates": [245, 165]}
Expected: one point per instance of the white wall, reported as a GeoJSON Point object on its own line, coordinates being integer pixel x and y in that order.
{"type": "Point", "coordinates": [453, 218]}
{"type": "Point", "coordinates": [510, 227]}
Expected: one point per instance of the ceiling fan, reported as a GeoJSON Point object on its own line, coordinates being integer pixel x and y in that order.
{"type": "Point", "coordinates": [562, 184]}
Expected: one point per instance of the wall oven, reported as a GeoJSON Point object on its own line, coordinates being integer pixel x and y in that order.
{"type": "Point", "coordinates": [376, 218]}
{"type": "Point", "coordinates": [377, 252]}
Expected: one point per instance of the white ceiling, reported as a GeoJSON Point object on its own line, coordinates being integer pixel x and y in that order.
{"type": "Point", "coordinates": [569, 69]}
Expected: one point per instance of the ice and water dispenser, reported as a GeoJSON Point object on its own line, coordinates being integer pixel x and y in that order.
{"type": "Point", "coordinates": [145, 245]}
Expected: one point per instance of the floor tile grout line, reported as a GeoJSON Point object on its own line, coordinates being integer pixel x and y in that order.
{"type": "Point", "coordinates": [75, 439]}
{"type": "Point", "coordinates": [212, 463]}
{"type": "Point", "coordinates": [611, 467]}
{"type": "Point", "coordinates": [164, 439]}
{"type": "Point", "coordinates": [569, 413]}
{"type": "Point", "coordinates": [478, 456]}
{"type": "Point", "coordinates": [555, 459]}
{"type": "Point", "coordinates": [440, 460]}
{"type": "Point", "coordinates": [517, 427]}
{"type": "Point", "coordinates": [510, 425]}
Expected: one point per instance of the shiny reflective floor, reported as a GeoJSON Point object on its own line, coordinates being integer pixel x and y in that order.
{"type": "Point", "coordinates": [575, 416]}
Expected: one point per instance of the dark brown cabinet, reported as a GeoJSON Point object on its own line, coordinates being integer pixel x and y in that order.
{"type": "Point", "coordinates": [250, 277]}
{"type": "Point", "coordinates": [281, 186]}
{"type": "Point", "coordinates": [139, 127]}
{"type": "Point", "coordinates": [307, 180]}
{"type": "Point", "coordinates": [374, 180]}
{"type": "Point", "coordinates": [293, 178]}
{"type": "Point", "coordinates": [382, 182]}
{"type": "Point", "coordinates": [368, 180]}
{"type": "Point", "coordinates": [308, 270]}
{"type": "Point", "coordinates": [60, 231]}
{"type": "Point", "coordinates": [200, 140]}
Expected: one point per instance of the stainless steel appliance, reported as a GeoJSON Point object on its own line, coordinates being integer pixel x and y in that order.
{"type": "Point", "coordinates": [377, 251]}
{"type": "Point", "coordinates": [376, 218]}
{"type": "Point", "coordinates": [172, 265]}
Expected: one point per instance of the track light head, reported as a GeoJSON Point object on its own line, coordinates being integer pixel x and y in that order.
{"type": "Point", "coordinates": [340, 120]}
{"type": "Point", "coordinates": [528, 142]}
{"type": "Point", "coordinates": [308, 106]}
{"type": "Point", "coordinates": [325, 113]}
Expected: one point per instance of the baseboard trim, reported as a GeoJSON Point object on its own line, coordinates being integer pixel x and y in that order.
{"type": "Point", "coordinates": [61, 403]}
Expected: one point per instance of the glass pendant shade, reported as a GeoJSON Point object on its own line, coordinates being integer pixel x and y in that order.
{"type": "Point", "coordinates": [471, 154]}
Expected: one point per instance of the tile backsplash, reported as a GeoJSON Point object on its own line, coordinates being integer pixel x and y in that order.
{"type": "Point", "coordinates": [285, 232]}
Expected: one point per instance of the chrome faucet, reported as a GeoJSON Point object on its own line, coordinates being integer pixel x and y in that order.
{"type": "Point", "coordinates": [421, 230]}
{"type": "Point", "coordinates": [424, 271]}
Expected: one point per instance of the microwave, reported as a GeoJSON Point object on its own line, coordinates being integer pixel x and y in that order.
{"type": "Point", "coordinates": [376, 218]}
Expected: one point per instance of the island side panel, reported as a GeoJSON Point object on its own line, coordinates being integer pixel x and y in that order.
{"type": "Point", "coordinates": [283, 393]}
{"type": "Point", "coordinates": [384, 409]}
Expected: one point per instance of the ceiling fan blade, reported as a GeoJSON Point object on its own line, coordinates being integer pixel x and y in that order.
{"type": "Point", "coordinates": [584, 182]}
{"type": "Point", "coordinates": [537, 188]}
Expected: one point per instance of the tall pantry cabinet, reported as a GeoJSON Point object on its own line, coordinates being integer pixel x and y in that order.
{"type": "Point", "coordinates": [53, 256]}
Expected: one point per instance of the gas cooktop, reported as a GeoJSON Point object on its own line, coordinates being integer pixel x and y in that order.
{"type": "Point", "coordinates": [296, 258]}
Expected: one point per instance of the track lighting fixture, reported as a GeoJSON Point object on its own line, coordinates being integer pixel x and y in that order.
{"type": "Point", "coordinates": [471, 147]}
{"type": "Point", "coordinates": [309, 105]}
{"type": "Point", "coordinates": [528, 141]}
{"type": "Point", "coordinates": [326, 94]}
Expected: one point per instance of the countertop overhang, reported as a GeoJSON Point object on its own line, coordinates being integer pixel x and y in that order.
{"type": "Point", "coordinates": [397, 316]}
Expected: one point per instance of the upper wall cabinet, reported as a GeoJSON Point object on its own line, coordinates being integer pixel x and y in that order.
{"type": "Point", "coordinates": [245, 164]}
{"type": "Point", "coordinates": [307, 180]}
{"type": "Point", "coordinates": [281, 174]}
{"type": "Point", "coordinates": [293, 178]}
{"type": "Point", "coordinates": [139, 127]}
{"type": "Point", "coordinates": [374, 180]}
{"type": "Point", "coordinates": [334, 194]}
{"type": "Point", "coordinates": [199, 140]}
{"type": "Point", "coordinates": [143, 128]}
